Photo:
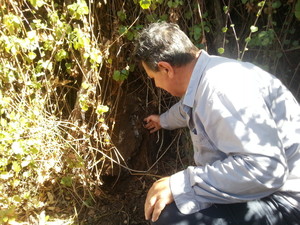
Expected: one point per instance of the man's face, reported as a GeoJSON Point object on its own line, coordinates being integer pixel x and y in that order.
{"type": "Point", "coordinates": [161, 79]}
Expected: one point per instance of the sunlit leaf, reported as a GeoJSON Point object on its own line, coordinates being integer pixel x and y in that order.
{"type": "Point", "coordinates": [61, 54]}
{"type": "Point", "coordinates": [78, 9]}
{"type": "Point", "coordinates": [85, 85]}
{"type": "Point", "coordinates": [31, 55]}
{"type": "Point", "coordinates": [5, 175]}
{"type": "Point", "coordinates": [16, 167]}
{"type": "Point", "coordinates": [145, 4]}
{"type": "Point", "coordinates": [224, 29]}
{"type": "Point", "coordinates": [221, 51]}
{"type": "Point", "coordinates": [17, 149]}
{"type": "Point", "coordinates": [17, 199]}
{"type": "Point", "coordinates": [37, 3]}
{"type": "Point", "coordinates": [102, 109]}
{"type": "Point", "coordinates": [253, 28]}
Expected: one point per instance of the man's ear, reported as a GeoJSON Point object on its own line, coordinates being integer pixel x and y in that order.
{"type": "Point", "coordinates": [166, 68]}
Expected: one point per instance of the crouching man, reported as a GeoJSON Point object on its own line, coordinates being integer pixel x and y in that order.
{"type": "Point", "coordinates": [245, 129]}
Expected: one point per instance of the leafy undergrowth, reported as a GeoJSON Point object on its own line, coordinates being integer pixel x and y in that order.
{"type": "Point", "coordinates": [45, 163]}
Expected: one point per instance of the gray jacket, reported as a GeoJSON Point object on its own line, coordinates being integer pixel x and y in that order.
{"type": "Point", "coordinates": [245, 129]}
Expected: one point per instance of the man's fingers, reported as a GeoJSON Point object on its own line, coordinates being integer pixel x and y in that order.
{"type": "Point", "coordinates": [149, 125]}
{"type": "Point", "coordinates": [158, 197]}
{"type": "Point", "coordinates": [149, 206]}
{"type": "Point", "coordinates": [153, 130]}
{"type": "Point", "coordinates": [158, 207]}
{"type": "Point", "coordinates": [152, 127]}
{"type": "Point", "coordinates": [147, 120]}
{"type": "Point", "coordinates": [153, 208]}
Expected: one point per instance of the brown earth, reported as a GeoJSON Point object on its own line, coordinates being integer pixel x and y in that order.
{"type": "Point", "coordinates": [124, 189]}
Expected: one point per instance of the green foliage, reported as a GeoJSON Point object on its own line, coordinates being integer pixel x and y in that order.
{"type": "Point", "coordinates": [145, 4]}
{"type": "Point", "coordinates": [78, 10]}
{"type": "Point", "coordinates": [39, 55]}
{"type": "Point", "coordinates": [197, 31]}
{"type": "Point", "coordinates": [221, 51]}
{"type": "Point", "coordinates": [37, 3]}
{"type": "Point", "coordinates": [121, 75]}
{"type": "Point", "coordinates": [30, 148]}
{"type": "Point", "coordinates": [175, 3]}
{"type": "Point", "coordinates": [263, 38]}
{"type": "Point", "coordinates": [66, 181]}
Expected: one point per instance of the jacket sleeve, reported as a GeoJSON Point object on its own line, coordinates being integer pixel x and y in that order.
{"type": "Point", "coordinates": [255, 165]}
{"type": "Point", "coordinates": [174, 118]}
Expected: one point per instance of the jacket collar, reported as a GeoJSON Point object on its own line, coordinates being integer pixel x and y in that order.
{"type": "Point", "coordinates": [190, 94]}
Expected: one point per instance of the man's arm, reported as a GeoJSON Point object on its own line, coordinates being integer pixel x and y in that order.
{"type": "Point", "coordinates": [174, 118]}
{"type": "Point", "coordinates": [239, 123]}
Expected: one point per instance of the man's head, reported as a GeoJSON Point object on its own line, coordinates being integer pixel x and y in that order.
{"type": "Point", "coordinates": [164, 42]}
{"type": "Point", "coordinates": [167, 55]}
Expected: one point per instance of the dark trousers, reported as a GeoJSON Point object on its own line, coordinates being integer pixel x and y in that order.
{"type": "Point", "coordinates": [273, 210]}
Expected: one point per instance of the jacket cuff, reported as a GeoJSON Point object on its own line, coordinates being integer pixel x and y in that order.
{"type": "Point", "coordinates": [183, 193]}
{"type": "Point", "coordinates": [163, 121]}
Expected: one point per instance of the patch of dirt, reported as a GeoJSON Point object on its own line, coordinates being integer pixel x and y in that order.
{"type": "Point", "coordinates": [122, 201]}
{"type": "Point", "coordinates": [124, 192]}
{"type": "Point", "coordinates": [122, 204]}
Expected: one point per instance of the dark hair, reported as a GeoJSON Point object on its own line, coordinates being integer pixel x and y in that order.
{"type": "Point", "coordinates": [164, 42]}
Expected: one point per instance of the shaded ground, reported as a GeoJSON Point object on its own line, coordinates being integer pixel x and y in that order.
{"type": "Point", "coordinates": [124, 204]}
{"type": "Point", "coordinates": [123, 193]}
{"type": "Point", "coordinates": [122, 201]}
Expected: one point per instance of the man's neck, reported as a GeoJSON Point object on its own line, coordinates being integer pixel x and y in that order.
{"type": "Point", "coordinates": [184, 73]}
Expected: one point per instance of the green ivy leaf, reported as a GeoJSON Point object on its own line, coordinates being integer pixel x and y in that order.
{"type": "Point", "coordinates": [225, 9]}
{"type": "Point", "coordinates": [78, 9]}
{"type": "Point", "coordinates": [145, 4]}
{"type": "Point", "coordinates": [84, 105]}
{"type": "Point", "coordinates": [117, 75]}
{"type": "Point", "coordinates": [122, 15]}
{"type": "Point", "coordinates": [121, 75]}
{"type": "Point", "coordinates": [224, 29]}
{"type": "Point", "coordinates": [69, 67]}
{"type": "Point", "coordinates": [253, 29]}
{"type": "Point", "coordinates": [79, 39]}
{"type": "Point", "coordinates": [17, 148]}
{"type": "Point", "coordinates": [37, 3]}
{"type": "Point", "coordinates": [261, 4]}
{"type": "Point", "coordinates": [67, 181]}
{"type": "Point", "coordinates": [31, 55]}
{"type": "Point", "coordinates": [129, 35]}
{"type": "Point", "coordinates": [102, 109]}
{"type": "Point", "coordinates": [276, 4]}
{"type": "Point", "coordinates": [85, 85]}
{"type": "Point", "coordinates": [248, 39]}
{"type": "Point", "coordinates": [61, 54]}
{"type": "Point", "coordinates": [95, 56]}
{"type": "Point", "coordinates": [12, 23]}
{"type": "Point", "coordinates": [16, 167]}
{"type": "Point", "coordinates": [221, 51]}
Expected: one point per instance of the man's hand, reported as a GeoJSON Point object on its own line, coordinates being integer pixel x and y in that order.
{"type": "Point", "coordinates": [152, 123]}
{"type": "Point", "coordinates": [158, 197]}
